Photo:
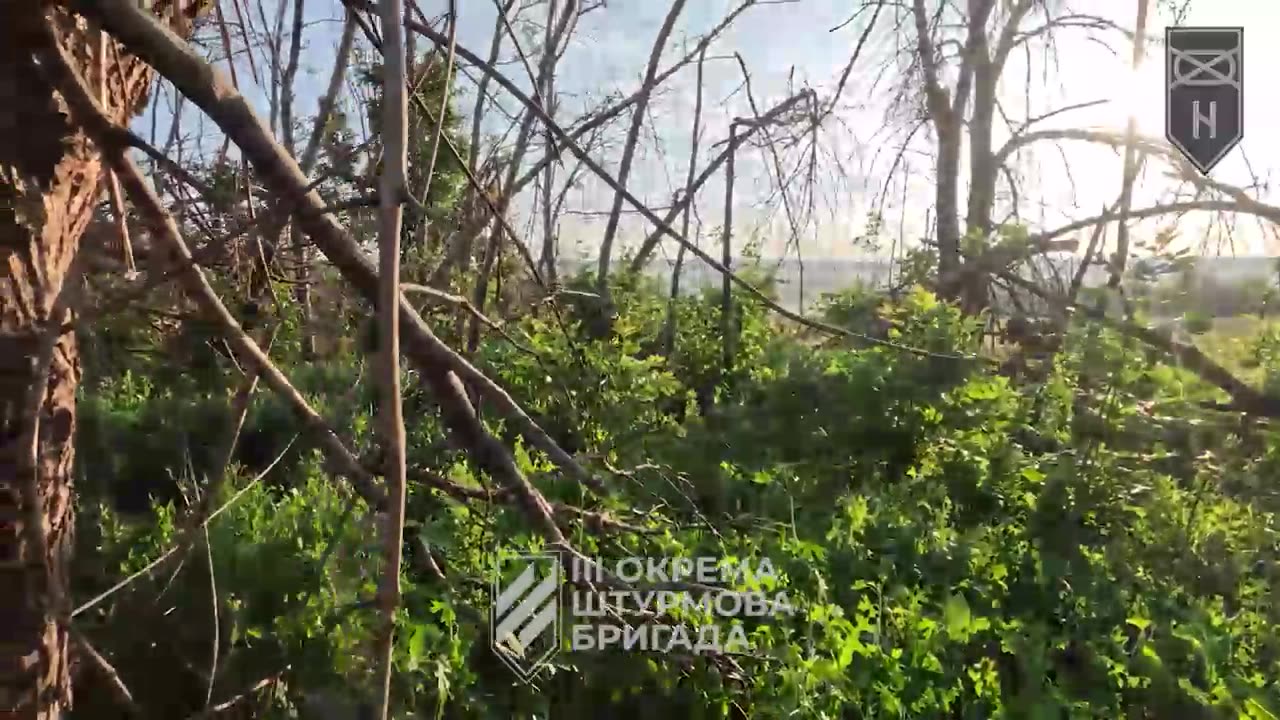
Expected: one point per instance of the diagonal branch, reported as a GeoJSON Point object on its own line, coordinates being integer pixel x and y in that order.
{"type": "Point", "coordinates": [602, 117]}
{"type": "Point", "coordinates": [1244, 397]}
{"type": "Point", "coordinates": [746, 130]}
{"type": "Point", "coordinates": [442, 368]}
{"type": "Point", "coordinates": [1131, 159]}
{"type": "Point", "coordinates": [648, 213]}
{"type": "Point", "coordinates": [330, 98]}
{"type": "Point", "coordinates": [629, 146]}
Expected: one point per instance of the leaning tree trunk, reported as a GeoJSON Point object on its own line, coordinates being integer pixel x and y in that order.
{"type": "Point", "coordinates": [50, 181]}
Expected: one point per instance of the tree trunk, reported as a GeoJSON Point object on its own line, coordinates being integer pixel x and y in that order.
{"type": "Point", "coordinates": [49, 185]}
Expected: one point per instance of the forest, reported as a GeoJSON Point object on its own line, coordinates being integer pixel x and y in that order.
{"type": "Point", "coordinates": [298, 366]}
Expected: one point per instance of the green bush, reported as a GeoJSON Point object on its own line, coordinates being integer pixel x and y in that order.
{"type": "Point", "coordinates": [955, 544]}
{"type": "Point", "coordinates": [1197, 323]}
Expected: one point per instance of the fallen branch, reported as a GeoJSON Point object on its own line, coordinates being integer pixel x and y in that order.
{"type": "Point", "coordinates": [119, 690]}
{"type": "Point", "coordinates": [652, 217]}
{"type": "Point", "coordinates": [89, 115]}
{"type": "Point", "coordinates": [442, 368]}
{"type": "Point", "coordinates": [1244, 397]}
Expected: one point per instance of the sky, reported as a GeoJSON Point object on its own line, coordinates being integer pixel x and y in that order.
{"type": "Point", "coordinates": [786, 45]}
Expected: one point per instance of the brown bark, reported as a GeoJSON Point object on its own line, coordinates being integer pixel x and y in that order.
{"type": "Point", "coordinates": [395, 136]}
{"type": "Point", "coordinates": [442, 368]}
{"type": "Point", "coordinates": [50, 179]}
{"type": "Point", "coordinates": [948, 129]}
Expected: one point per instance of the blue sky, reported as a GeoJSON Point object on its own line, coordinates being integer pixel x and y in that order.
{"type": "Point", "coordinates": [779, 41]}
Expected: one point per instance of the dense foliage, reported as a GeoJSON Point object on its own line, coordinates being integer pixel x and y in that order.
{"type": "Point", "coordinates": [1081, 541]}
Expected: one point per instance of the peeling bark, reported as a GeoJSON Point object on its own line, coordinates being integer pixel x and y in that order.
{"type": "Point", "coordinates": [50, 179]}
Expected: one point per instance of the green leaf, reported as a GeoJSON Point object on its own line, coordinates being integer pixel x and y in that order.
{"type": "Point", "coordinates": [956, 614]}
{"type": "Point", "coordinates": [1033, 475]}
{"type": "Point", "coordinates": [417, 645]}
{"type": "Point", "coordinates": [1254, 710]}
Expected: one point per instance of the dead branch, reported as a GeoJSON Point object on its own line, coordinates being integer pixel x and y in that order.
{"type": "Point", "coordinates": [744, 133]}
{"type": "Point", "coordinates": [395, 135]}
{"type": "Point", "coordinates": [104, 667]}
{"type": "Point", "coordinates": [288, 76]}
{"type": "Point", "coordinates": [665, 227]}
{"type": "Point", "coordinates": [482, 89]}
{"type": "Point", "coordinates": [629, 145]}
{"type": "Point", "coordinates": [857, 52]}
{"type": "Point", "coordinates": [330, 98]}
{"type": "Point", "coordinates": [424, 220]}
{"type": "Point", "coordinates": [726, 259]}
{"type": "Point", "coordinates": [1131, 161]}
{"type": "Point", "coordinates": [547, 259]}
{"type": "Point", "coordinates": [1095, 243]}
{"type": "Point", "coordinates": [435, 360]}
{"type": "Point", "coordinates": [601, 117]}
{"type": "Point", "coordinates": [1244, 397]}
{"type": "Point", "coordinates": [669, 330]}
{"type": "Point", "coordinates": [493, 249]}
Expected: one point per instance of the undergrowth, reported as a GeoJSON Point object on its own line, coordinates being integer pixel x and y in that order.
{"type": "Point", "coordinates": [1086, 542]}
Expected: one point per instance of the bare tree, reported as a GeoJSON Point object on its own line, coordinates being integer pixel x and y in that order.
{"type": "Point", "coordinates": [669, 330]}
{"type": "Point", "coordinates": [629, 147]}
{"type": "Point", "coordinates": [1130, 159]}
{"type": "Point", "coordinates": [393, 186]}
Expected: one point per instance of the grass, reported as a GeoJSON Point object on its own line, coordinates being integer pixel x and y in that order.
{"type": "Point", "coordinates": [1230, 344]}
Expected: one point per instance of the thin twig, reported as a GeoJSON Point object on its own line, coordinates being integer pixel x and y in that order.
{"type": "Point", "coordinates": [215, 620]}
{"type": "Point", "coordinates": [726, 258]}
{"type": "Point", "coordinates": [669, 331]}
{"type": "Point", "coordinates": [182, 543]}
{"type": "Point", "coordinates": [665, 227]}
{"type": "Point", "coordinates": [1131, 159]}
{"type": "Point", "coordinates": [108, 671]}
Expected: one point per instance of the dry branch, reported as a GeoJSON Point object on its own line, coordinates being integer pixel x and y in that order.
{"type": "Point", "coordinates": [1131, 160]}
{"type": "Point", "coordinates": [629, 145]}
{"type": "Point", "coordinates": [690, 192]}
{"type": "Point", "coordinates": [1244, 397]}
{"type": "Point", "coordinates": [744, 133]}
{"type": "Point", "coordinates": [482, 90]}
{"type": "Point", "coordinates": [600, 118]}
{"type": "Point", "coordinates": [658, 222]}
{"type": "Point", "coordinates": [438, 364]}
{"type": "Point", "coordinates": [330, 98]}
{"type": "Point", "coordinates": [395, 136]}
{"type": "Point", "coordinates": [115, 684]}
